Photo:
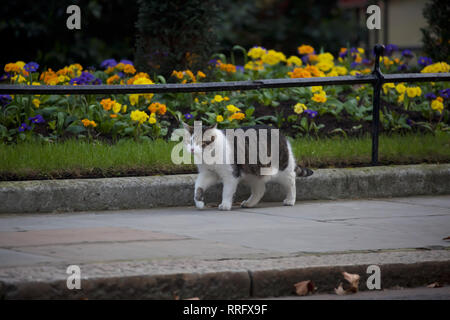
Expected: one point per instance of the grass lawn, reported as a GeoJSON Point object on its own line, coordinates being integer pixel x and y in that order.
{"type": "Point", "coordinates": [80, 159]}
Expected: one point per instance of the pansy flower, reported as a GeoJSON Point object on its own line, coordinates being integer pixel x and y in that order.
{"type": "Point", "coordinates": [31, 67]}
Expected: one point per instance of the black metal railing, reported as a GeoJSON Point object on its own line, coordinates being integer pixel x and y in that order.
{"type": "Point", "coordinates": [377, 78]}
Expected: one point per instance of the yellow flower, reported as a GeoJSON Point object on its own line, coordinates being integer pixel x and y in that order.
{"type": "Point", "coordinates": [232, 108]}
{"type": "Point", "coordinates": [139, 116]}
{"type": "Point", "coordinates": [401, 98]}
{"type": "Point", "coordinates": [413, 92]}
{"type": "Point", "coordinates": [400, 88]}
{"type": "Point", "coordinates": [256, 52]}
{"type": "Point", "coordinates": [152, 119]}
{"type": "Point", "coordinates": [342, 71]}
{"type": "Point", "coordinates": [219, 118]}
{"type": "Point", "coordinates": [436, 68]}
{"type": "Point", "coordinates": [254, 65]}
{"type": "Point", "coordinates": [134, 99]}
{"type": "Point", "coordinates": [273, 57]}
{"type": "Point", "coordinates": [305, 49]}
{"type": "Point", "coordinates": [325, 57]}
{"type": "Point", "coordinates": [116, 107]}
{"type": "Point", "coordinates": [388, 86]}
{"type": "Point", "coordinates": [36, 102]}
{"type": "Point", "coordinates": [299, 108]}
{"type": "Point", "coordinates": [316, 89]}
{"type": "Point", "coordinates": [294, 60]}
{"type": "Point", "coordinates": [325, 65]}
{"type": "Point", "coordinates": [320, 97]}
{"type": "Point", "coordinates": [437, 105]}
{"type": "Point", "coordinates": [19, 79]}
{"type": "Point", "coordinates": [217, 98]}
{"type": "Point", "coordinates": [124, 108]}
{"type": "Point", "coordinates": [236, 116]}
{"type": "Point", "coordinates": [200, 74]}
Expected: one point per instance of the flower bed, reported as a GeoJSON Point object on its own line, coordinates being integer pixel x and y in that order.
{"type": "Point", "coordinates": [317, 111]}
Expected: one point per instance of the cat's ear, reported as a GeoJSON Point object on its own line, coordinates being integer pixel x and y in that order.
{"type": "Point", "coordinates": [187, 127]}
{"type": "Point", "coordinates": [213, 126]}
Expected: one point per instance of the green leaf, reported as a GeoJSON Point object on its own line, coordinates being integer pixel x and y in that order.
{"type": "Point", "coordinates": [76, 129]}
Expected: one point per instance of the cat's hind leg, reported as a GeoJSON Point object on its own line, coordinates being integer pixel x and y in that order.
{"type": "Point", "coordinates": [204, 180]}
{"type": "Point", "coordinates": [287, 180]}
{"type": "Point", "coordinates": [258, 187]}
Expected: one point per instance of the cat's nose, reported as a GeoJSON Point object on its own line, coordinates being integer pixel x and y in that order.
{"type": "Point", "coordinates": [192, 150]}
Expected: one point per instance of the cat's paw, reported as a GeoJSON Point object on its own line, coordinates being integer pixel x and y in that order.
{"type": "Point", "coordinates": [225, 206]}
{"type": "Point", "coordinates": [288, 202]}
{"type": "Point", "coordinates": [199, 204]}
{"type": "Point", "coordinates": [246, 204]}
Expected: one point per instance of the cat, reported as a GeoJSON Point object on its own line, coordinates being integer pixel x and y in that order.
{"type": "Point", "coordinates": [230, 171]}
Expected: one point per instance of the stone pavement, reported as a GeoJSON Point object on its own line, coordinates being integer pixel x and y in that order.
{"type": "Point", "coordinates": [185, 242]}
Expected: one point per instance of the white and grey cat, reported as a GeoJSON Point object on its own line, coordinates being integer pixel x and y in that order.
{"type": "Point", "coordinates": [230, 174]}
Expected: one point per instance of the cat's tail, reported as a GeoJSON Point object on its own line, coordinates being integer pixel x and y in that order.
{"type": "Point", "coordinates": [303, 172]}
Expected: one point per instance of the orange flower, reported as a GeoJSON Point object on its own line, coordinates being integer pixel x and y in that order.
{"type": "Point", "coordinates": [157, 107]}
{"type": "Point", "coordinates": [107, 104]}
{"type": "Point", "coordinates": [113, 115]}
{"type": "Point", "coordinates": [305, 49]}
{"type": "Point", "coordinates": [87, 123]}
{"type": "Point", "coordinates": [113, 79]}
{"type": "Point", "coordinates": [300, 73]}
{"type": "Point", "coordinates": [129, 69]}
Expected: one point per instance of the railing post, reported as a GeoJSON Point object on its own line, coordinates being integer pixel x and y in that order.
{"type": "Point", "coordinates": [379, 50]}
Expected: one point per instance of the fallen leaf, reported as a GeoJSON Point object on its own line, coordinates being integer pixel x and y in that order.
{"type": "Point", "coordinates": [446, 238]}
{"type": "Point", "coordinates": [434, 285]}
{"type": "Point", "coordinates": [194, 298]}
{"type": "Point", "coordinates": [340, 290]}
{"type": "Point", "coordinates": [304, 287]}
{"type": "Point", "coordinates": [353, 279]}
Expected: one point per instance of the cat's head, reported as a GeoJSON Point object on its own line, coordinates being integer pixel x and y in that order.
{"type": "Point", "coordinates": [198, 137]}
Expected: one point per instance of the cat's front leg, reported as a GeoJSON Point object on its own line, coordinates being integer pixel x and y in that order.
{"type": "Point", "coordinates": [229, 188]}
{"type": "Point", "coordinates": [204, 180]}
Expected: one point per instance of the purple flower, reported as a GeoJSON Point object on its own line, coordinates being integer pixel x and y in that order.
{"type": "Point", "coordinates": [212, 62]}
{"type": "Point", "coordinates": [402, 67]}
{"type": "Point", "coordinates": [343, 54]}
{"type": "Point", "coordinates": [311, 113]}
{"type": "Point", "coordinates": [124, 61]}
{"type": "Point", "coordinates": [97, 81]}
{"type": "Point", "coordinates": [407, 53]}
{"type": "Point", "coordinates": [24, 127]}
{"type": "Point", "coordinates": [354, 50]}
{"type": "Point", "coordinates": [5, 76]}
{"type": "Point", "coordinates": [108, 63]}
{"type": "Point", "coordinates": [390, 49]}
{"type": "Point", "coordinates": [409, 122]}
{"type": "Point", "coordinates": [84, 78]}
{"type": "Point", "coordinates": [430, 96]}
{"type": "Point", "coordinates": [37, 119]}
{"type": "Point", "coordinates": [354, 65]}
{"type": "Point", "coordinates": [5, 99]}
{"type": "Point", "coordinates": [188, 116]}
{"type": "Point", "coordinates": [240, 68]}
{"type": "Point", "coordinates": [424, 61]}
{"type": "Point", "coordinates": [121, 74]}
{"type": "Point", "coordinates": [366, 62]}
{"type": "Point", "coordinates": [445, 93]}
{"type": "Point", "coordinates": [31, 66]}
{"type": "Point", "coordinates": [305, 59]}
